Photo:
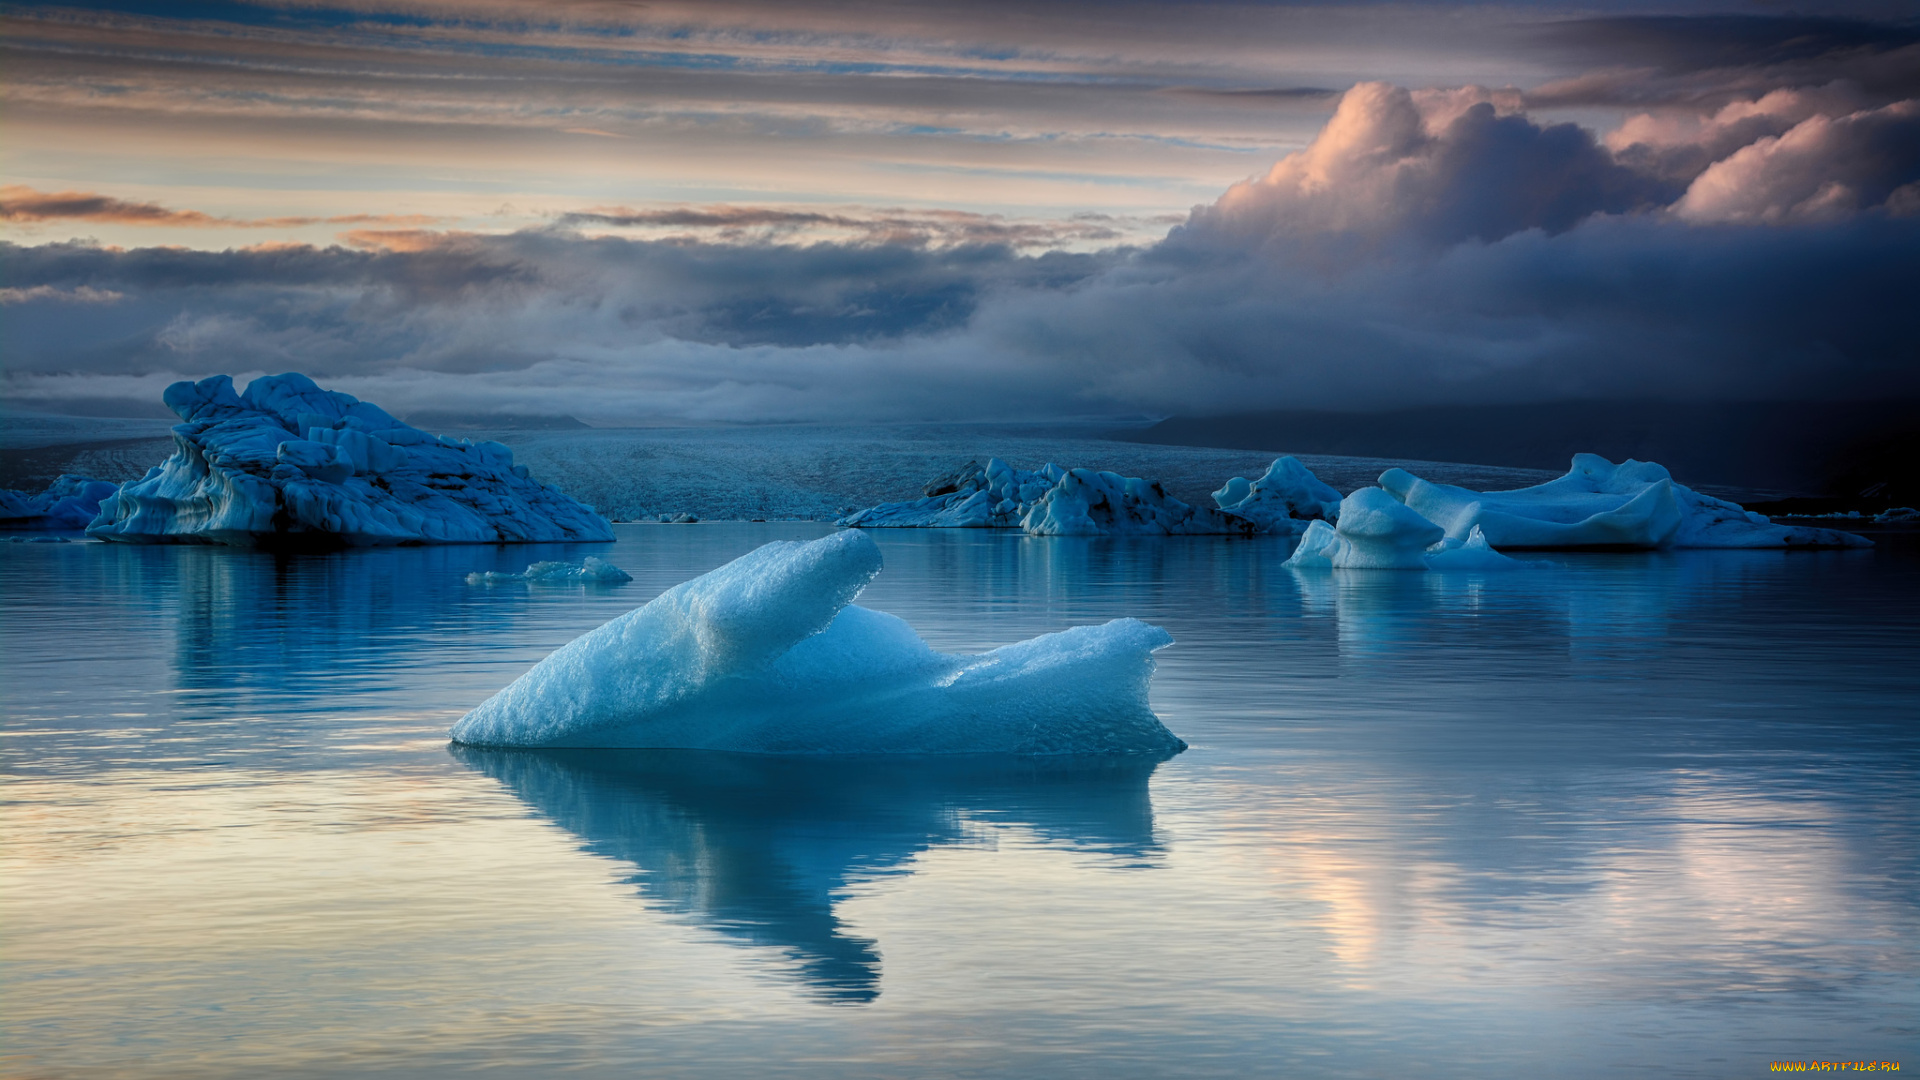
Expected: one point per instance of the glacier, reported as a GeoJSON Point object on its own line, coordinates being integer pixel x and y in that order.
{"type": "Point", "coordinates": [287, 464]}
{"type": "Point", "coordinates": [1050, 501]}
{"type": "Point", "coordinates": [1634, 504]}
{"type": "Point", "coordinates": [991, 496]}
{"type": "Point", "coordinates": [769, 654]}
{"type": "Point", "coordinates": [68, 504]}
{"type": "Point", "coordinates": [588, 571]}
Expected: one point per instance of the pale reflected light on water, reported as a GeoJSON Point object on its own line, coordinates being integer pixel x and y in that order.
{"type": "Point", "coordinates": [1628, 814]}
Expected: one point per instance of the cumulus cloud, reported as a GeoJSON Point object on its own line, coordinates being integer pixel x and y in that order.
{"type": "Point", "coordinates": [1823, 168]}
{"type": "Point", "coordinates": [1434, 167]}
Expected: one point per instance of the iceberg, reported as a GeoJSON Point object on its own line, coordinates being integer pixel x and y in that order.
{"type": "Point", "coordinates": [1634, 504]}
{"type": "Point", "coordinates": [69, 503]}
{"type": "Point", "coordinates": [588, 571]}
{"type": "Point", "coordinates": [289, 464]}
{"type": "Point", "coordinates": [1375, 532]}
{"type": "Point", "coordinates": [1088, 503]}
{"type": "Point", "coordinates": [1287, 499]}
{"type": "Point", "coordinates": [769, 654]}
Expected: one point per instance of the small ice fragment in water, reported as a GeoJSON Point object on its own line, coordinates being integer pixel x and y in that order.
{"type": "Point", "coordinates": [589, 571]}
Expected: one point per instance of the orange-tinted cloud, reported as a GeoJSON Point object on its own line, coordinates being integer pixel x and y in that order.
{"type": "Point", "coordinates": [21, 203]}
{"type": "Point", "coordinates": [401, 240]}
{"type": "Point", "coordinates": [885, 226]}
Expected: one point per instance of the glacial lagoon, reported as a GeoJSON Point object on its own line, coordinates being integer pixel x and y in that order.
{"type": "Point", "coordinates": [1649, 813]}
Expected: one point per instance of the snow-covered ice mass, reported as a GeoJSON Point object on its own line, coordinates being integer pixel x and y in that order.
{"type": "Point", "coordinates": [287, 463]}
{"type": "Point", "coordinates": [68, 503]}
{"type": "Point", "coordinates": [769, 654]}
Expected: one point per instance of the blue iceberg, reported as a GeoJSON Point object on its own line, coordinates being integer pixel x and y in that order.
{"type": "Point", "coordinates": [768, 654]}
{"type": "Point", "coordinates": [287, 464]}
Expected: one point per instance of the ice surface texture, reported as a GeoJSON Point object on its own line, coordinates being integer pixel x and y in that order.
{"type": "Point", "coordinates": [70, 502]}
{"type": "Point", "coordinates": [588, 571]}
{"type": "Point", "coordinates": [288, 463]}
{"type": "Point", "coordinates": [1634, 504]}
{"type": "Point", "coordinates": [1050, 501]}
{"type": "Point", "coordinates": [768, 654]}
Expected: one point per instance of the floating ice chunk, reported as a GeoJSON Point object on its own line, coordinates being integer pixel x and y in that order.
{"type": "Point", "coordinates": [1899, 515]}
{"type": "Point", "coordinates": [1376, 532]}
{"type": "Point", "coordinates": [67, 503]}
{"type": "Point", "coordinates": [1633, 504]}
{"type": "Point", "coordinates": [37, 540]}
{"type": "Point", "coordinates": [1088, 503]}
{"type": "Point", "coordinates": [588, 571]}
{"type": "Point", "coordinates": [1285, 500]}
{"type": "Point", "coordinates": [767, 654]}
{"type": "Point", "coordinates": [288, 463]}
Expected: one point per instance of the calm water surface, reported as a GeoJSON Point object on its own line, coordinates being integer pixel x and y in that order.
{"type": "Point", "coordinates": [1634, 814]}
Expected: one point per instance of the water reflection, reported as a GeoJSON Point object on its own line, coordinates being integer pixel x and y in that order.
{"type": "Point", "coordinates": [1607, 609]}
{"type": "Point", "coordinates": [761, 848]}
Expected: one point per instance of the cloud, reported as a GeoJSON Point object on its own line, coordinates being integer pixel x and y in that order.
{"type": "Point", "coordinates": [1704, 61]}
{"type": "Point", "coordinates": [1822, 168]}
{"type": "Point", "coordinates": [82, 295]}
{"type": "Point", "coordinates": [1428, 246]}
{"type": "Point", "coordinates": [19, 203]}
{"type": "Point", "coordinates": [1433, 167]}
{"type": "Point", "coordinates": [941, 228]}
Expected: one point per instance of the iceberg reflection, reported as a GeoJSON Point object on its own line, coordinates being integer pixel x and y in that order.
{"type": "Point", "coordinates": [760, 848]}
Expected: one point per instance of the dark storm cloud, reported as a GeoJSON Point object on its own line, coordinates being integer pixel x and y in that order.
{"type": "Point", "coordinates": [1711, 59]}
{"type": "Point", "coordinates": [1680, 43]}
{"type": "Point", "coordinates": [466, 303]}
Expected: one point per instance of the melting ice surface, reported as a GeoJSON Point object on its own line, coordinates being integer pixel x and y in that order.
{"type": "Point", "coordinates": [768, 654]}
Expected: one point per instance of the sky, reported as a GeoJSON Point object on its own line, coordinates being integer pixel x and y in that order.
{"type": "Point", "coordinates": [776, 212]}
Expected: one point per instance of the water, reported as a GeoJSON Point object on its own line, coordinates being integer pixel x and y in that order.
{"type": "Point", "coordinates": [1635, 814]}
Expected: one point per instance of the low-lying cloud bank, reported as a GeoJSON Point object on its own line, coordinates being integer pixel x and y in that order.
{"type": "Point", "coordinates": [1429, 246]}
